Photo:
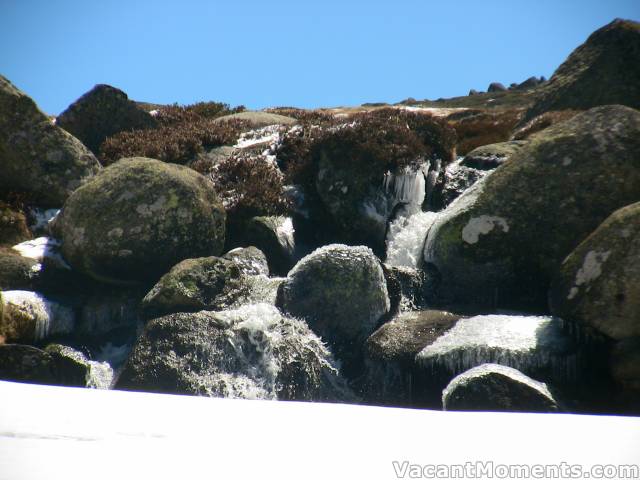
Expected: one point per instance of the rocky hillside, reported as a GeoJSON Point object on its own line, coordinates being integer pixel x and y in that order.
{"type": "Point", "coordinates": [475, 253]}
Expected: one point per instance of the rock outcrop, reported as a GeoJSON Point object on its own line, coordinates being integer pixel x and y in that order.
{"type": "Point", "coordinates": [502, 240]}
{"type": "Point", "coordinates": [38, 158]}
{"type": "Point", "coordinates": [101, 112]}
{"type": "Point", "coordinates": [602, 71]}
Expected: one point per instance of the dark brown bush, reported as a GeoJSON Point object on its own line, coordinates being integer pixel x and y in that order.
{"type": "Point", "coordinates": [491, 126]}
{"type": "Point", "coordinates": [250, 186]}
{"type": "Point", "coordinates": [313, 117]}
{"type": "Point", "coordinates": [543, 121]}
{"type": "Point", "coordinates": [372, 143]}
{"type": "Point", "coordinates": [175, 143]}
{"type": "Point", "coordinates": [174, 114]}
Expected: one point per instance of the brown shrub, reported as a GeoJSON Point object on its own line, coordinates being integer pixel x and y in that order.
{"type": "Point", "coordinates": [373, 142]}
{"type": "Point", "coordinates": [249, 186]}
{"type": "Point", "coordinates": [174, 143]}
{"type": "Point", "coordinates": [543, 121]}
{"type": "Point", "coordinates": [313, 117]}
{"type": "Point", "coordinates": [491, 126]}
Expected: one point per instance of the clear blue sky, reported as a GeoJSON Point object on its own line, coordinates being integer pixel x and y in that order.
{"type": "Point", "coordinates": [280, 52]}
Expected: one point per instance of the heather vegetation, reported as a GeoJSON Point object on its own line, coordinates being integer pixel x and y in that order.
{"type": "Point", "coordinates": [484, 128]}
{"type": "Point", "coordinates": [183, 132]}
{"type": "Point", "coordinates": [249, 186]}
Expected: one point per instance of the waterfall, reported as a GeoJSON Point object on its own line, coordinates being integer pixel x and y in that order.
{"type": "Point", "coordinates": [407, 232]}
{"type": "Point", "coordinates": [405, 239]}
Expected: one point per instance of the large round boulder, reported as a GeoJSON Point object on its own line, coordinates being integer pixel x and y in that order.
{"type": "Point", "coordinates": [37, 157]}
{"type": "Point", "coordinates": [341, 292]}
{"type": "Point", "coordinates": [250, 352]}
{"type": "Point", "coordinates": [598, 283]}
{"type": "Point", "coordinates": [138, 218]}
{"type": "Point", "coordinates": [495, 388]}
{"type": "Point", "coordinates": [501, 241]}
{"type": "Point", "coordinates": [101, 112]}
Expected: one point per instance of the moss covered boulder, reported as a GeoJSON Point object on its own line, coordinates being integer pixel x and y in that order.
{"type": "Point", "coordinates": [503, 239]}
{"type": "Point", "coordinates": [598, 283]}
{"type": "Point", "coordinates": [604, 70]}
{"type": "Point", "coordinates": [139, 218]}
{"type": "Point", "coordinates": [101, 112]}
{"type": "Point", "coordinates": [341, 292]}
{"type": "Point", "coordinates": [208, 283]}
{"type": "Point", "coordinates": [37, 157]}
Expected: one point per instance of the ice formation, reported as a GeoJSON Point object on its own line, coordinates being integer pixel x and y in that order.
{"type": "Point", "coordinates": [527, 343]}
{"type": "Point", "coordinates": [48, 317]}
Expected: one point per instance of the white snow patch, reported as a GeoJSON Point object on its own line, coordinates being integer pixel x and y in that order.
{"type": "Point", "coordinates": [481, 226]}
{"type": "Point", "coordinates": [42, 248]}
{"type": "Point", "coordinates": [269, 134]}
{"type": "Point", "coordinates": [177, 436]}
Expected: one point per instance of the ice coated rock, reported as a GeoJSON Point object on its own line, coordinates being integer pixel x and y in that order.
{"type": "Point", "coordinates": [137, 219]}
{"type": "Point", "coordinates": [341, 292]}
{"type": "Point", "coordinates": [29, 317]}
{"type": "Point", "coordinates": [541, 347]}
{"type": "Point", "coordinates": [250, 352]}
{"type": "Point", "coordinates": [494, 388]}
{"type": "Point", "coordinates": [55, 365]}
{"type": "Point", "coordinates": [250, 260]}
{"type": "Point", "coordinates": [273, 235]}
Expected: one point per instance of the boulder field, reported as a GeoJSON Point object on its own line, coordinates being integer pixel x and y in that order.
{"type": "Point", "coordinates": [337, 255]}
